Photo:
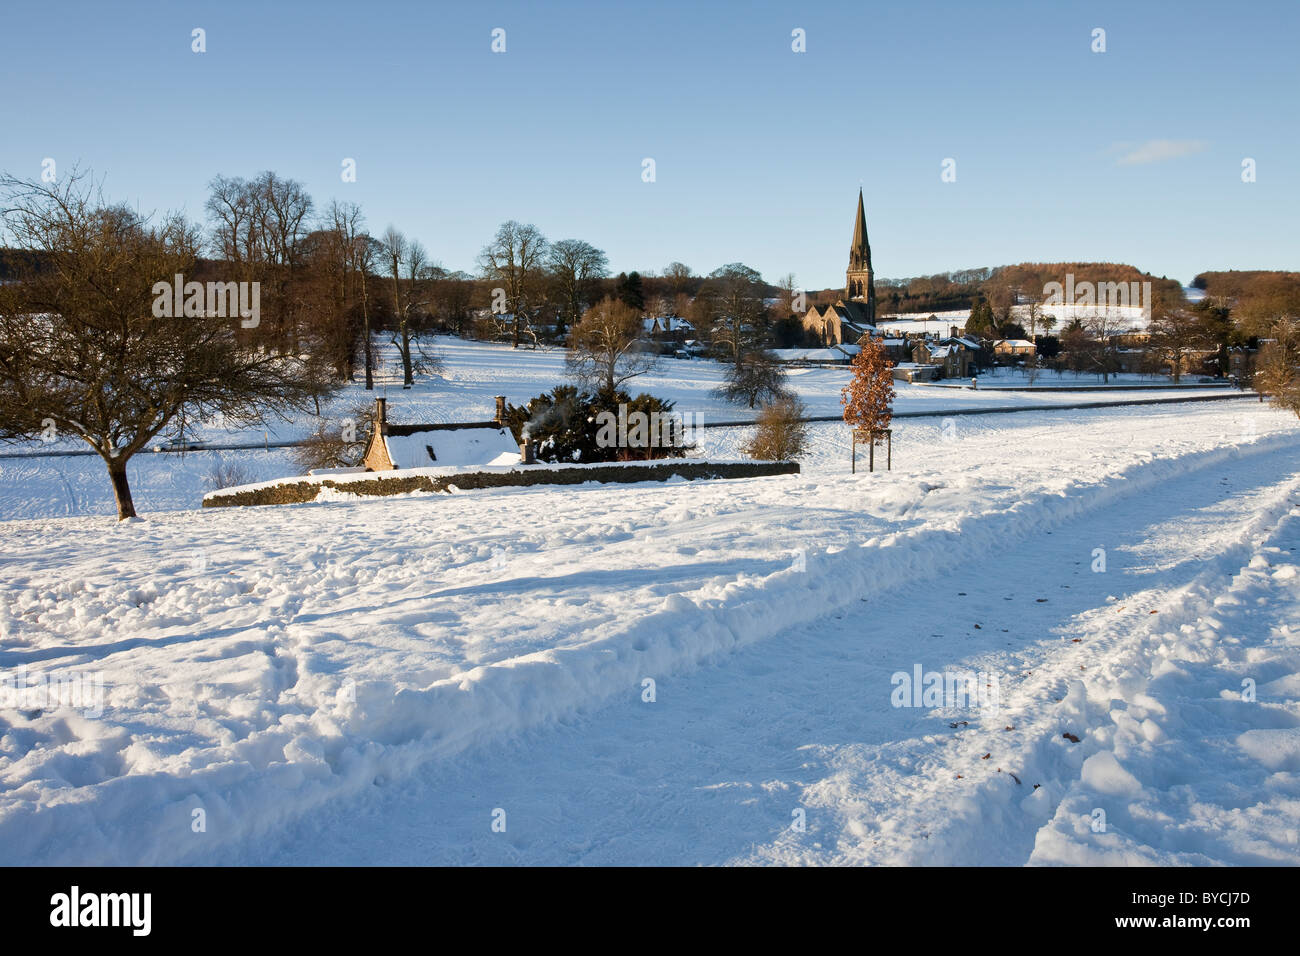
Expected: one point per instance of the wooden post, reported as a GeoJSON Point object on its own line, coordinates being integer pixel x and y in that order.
{"type": "Point", "coordinates": [869, 438]}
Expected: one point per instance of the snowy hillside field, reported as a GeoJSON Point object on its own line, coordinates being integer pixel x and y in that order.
{"type": "Point", "coordinates": [679, 673]}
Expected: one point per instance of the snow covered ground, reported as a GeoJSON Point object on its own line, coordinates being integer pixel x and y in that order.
{"type": "Point", "coordinates": [381, 681]}
{"type": "Point", "coordinates": [474, 374]}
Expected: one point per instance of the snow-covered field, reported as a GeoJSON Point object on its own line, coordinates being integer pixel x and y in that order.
{"type": "Point", "coordinates": [34, 487]}
{"type": "Point", "coordinates": [686, 672]}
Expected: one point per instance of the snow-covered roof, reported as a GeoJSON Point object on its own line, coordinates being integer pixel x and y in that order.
{"type": "Point", "coordinates": [474, 445]}
{"type": "Point", "coordinates": [666, 323]}
{"type": "Point", "coordinates": [1016, 343]}
{"type": "Point", "coordinates": [809, 355]}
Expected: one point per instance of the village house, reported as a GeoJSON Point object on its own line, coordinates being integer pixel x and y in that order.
{"type": "Point", "coordinates": [953, 356]}
{"type": "Point", "coordinates": [1241, 363]}
{"type": "Point", "coordinates": [668, 335]}
{"type": "Point", "coordinates": [439, 444]}
{"type": "Point", "coordinates": [1012, 351]}
{"type": "Point", "coordinates": [668, 328]}
{"type": "Point", "coordinates": [897, 349]}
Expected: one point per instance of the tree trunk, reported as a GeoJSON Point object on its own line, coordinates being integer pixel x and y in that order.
{"type": "Point", "coordinates": [121, 489]}
{"type": "Point", "coordinates": [401, 323]}
{"type": "Point", "coordinates": [407, 378]}
{"type": "Point", "coordinates": [365, 321]}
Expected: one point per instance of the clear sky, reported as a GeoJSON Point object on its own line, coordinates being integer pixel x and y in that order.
{"type": "Point", "coordinates": [1061, 153]}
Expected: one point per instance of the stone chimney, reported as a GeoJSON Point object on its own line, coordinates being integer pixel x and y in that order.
{"type": "Point", "coordinates": [526, 456]}
{"type": "Point", "coordinates": [500, 418]}
{"type": "Point", "coordinates": [381, 414]}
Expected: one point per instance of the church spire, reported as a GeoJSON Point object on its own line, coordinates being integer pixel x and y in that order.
{"type": "Point", "coordinates": [859, 282]}
{"type": "Point", "coordinates": [860, 251]}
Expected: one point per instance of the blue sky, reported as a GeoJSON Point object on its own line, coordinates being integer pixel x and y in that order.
{"type": "Point", "coordinates": [1061, 153]}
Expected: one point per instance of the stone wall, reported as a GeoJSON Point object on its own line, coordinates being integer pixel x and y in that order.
{"type": "Point", "coordinates": [395, 483]}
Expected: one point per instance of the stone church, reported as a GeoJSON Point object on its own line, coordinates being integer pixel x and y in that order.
{"type": "Point", "coordinates": [849, 318]}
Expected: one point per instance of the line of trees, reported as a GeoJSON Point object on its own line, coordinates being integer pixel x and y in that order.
{"type": "Point", "coordinates": [85, 351]}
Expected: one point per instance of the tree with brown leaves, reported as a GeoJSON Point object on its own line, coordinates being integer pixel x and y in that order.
{"type": "Point", "coordinates": [1279, 366]}
{"type": "Point", "coordinates": [869, 397]}
{"type": "Point", "coordinates": [605, 349]}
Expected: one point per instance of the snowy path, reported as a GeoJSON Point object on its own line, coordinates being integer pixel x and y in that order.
{"type": "Point", "coordinates": [712, 770]}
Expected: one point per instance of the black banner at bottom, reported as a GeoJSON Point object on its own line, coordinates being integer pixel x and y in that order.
{"type": "Point", "coordinates": [1036, 907]}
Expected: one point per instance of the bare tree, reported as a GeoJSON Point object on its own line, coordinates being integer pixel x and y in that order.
{"type": "Point", "coordinates": [1101, 353]}
{"type": "Point", "coordinates": [402, 253]}
{"type": "Point", "coordinates": [336, 297]}
{"type": "Point", "coordinates": [364, 252]}
{"type": "Point", "coordinates": [84, 349]}
{"type": "Point", "coordinates": [453, 297]}
{"type": "Point", "coordinates": [604, 347]}
{"type": "Point", "coordinates": [515, 258]}
{"type": "Point", "coordinates": [1175, 333]}
{"type": "Point", "coordinates": [1175, 337]}
{"type": "Point", "coordinates": [678, 276]}
{"type": "Point", "coordinates": [737, 294]}
{"type": "Point", "coordinates": [259, 226]}
{"type": "Point", "coordinates": [338, 444]}
{"type": "Point", "coordinates": [576, 266]}
{"type": "Point", "coordinates": [236, 236]}
{"type": "Point", "coordinates": [754, 377]}
{"type": "Point", "coordinates": [1036, 319]}
{"type": "Point", "coordinates": [787, 294]}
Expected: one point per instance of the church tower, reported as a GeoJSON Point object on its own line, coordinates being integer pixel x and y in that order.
{"type": "Point", "coordinates": [859, 285]}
